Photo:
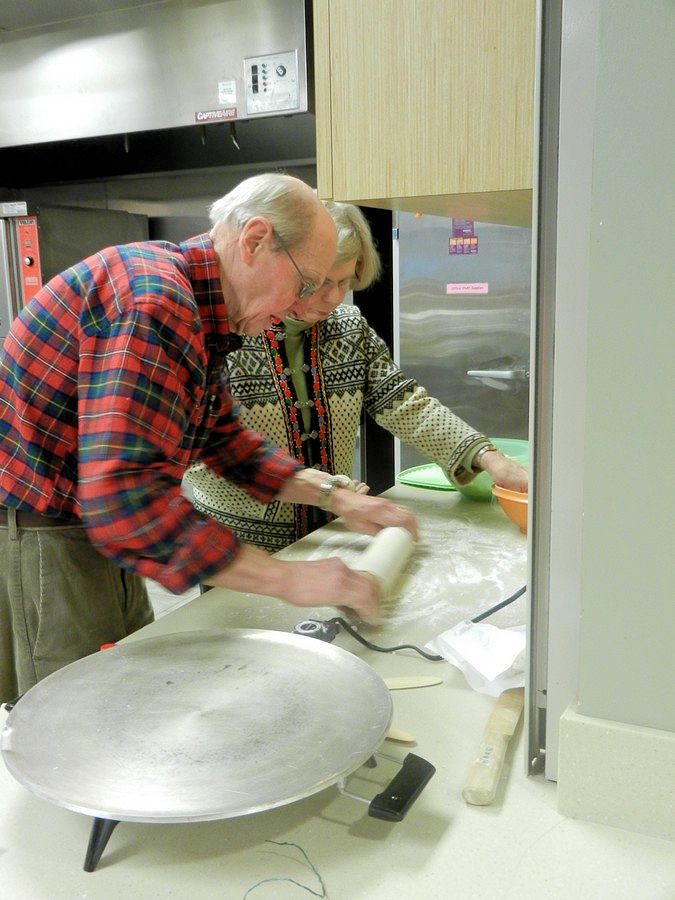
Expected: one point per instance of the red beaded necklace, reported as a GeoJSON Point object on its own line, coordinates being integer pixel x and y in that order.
{"type": "Point", "coordinates": [297, 435]}
{"type": "Point", "coordinates": [292, 403]}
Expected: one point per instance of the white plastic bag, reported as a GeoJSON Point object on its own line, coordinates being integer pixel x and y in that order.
{"type": "Point", "coordinates": [492, 659]}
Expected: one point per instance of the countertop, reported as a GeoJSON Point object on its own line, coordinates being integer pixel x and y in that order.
{"type": "Point", "coordinates": [469, 557]}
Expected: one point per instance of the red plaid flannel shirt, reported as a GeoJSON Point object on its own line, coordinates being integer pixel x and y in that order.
{"type": "Point", "coordinates": [113, 381]}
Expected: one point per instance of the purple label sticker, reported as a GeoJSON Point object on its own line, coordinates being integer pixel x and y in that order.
{"type": "Point", "coordinates": [463, 240]}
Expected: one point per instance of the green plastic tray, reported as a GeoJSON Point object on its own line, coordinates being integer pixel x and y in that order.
{"type": "Point", "coordinates": [431, 477]}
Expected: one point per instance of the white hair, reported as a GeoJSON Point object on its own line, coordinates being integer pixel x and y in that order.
{"type": "Point", "coordinates": [286, 202]}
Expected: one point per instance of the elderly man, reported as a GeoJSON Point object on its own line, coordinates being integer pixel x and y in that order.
{"type": "Point", "coordinates": [112, 382]}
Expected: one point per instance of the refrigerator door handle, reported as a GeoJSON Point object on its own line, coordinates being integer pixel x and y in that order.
{"type": "Point", "coordinates": [508, 374]}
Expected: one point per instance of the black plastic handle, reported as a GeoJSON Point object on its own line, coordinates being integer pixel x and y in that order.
{"type": "Point", "coordinates": [405, 787]}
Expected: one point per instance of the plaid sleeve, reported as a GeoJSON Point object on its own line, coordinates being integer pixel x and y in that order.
{"type": "Point", "coordinates": [137, 402]}
{"type": "Point", "coordinates": [244, 456]}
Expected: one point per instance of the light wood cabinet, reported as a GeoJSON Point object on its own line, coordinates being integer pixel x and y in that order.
{"type": "Point", "coordinates": [427, 105]}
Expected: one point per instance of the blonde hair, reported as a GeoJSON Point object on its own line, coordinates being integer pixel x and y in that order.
{"type": "Point", "coordinates": [355, 240]}
{"type": "Point", "coordinates": [287, 203]}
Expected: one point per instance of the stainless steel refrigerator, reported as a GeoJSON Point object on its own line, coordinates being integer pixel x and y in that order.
{"type": "Point", "coordinates": [462, 319]}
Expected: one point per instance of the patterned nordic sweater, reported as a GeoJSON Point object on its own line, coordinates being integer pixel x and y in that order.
{"type": "Point", "coordinates": [355, 370]}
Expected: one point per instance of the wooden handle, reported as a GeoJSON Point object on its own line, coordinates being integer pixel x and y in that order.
{"type": "Point", "coordinates": [395, 734]}
{"type": "Point", "coordinates": [401, 682]}
{"type": "Point", "coordinates": [481, 782]}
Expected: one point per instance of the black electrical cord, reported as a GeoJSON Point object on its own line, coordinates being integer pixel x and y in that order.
{"type": "Point", "coordinates": [500, 605]}
{"type": "Point", "coordinates": [338, 620]}
{"type": "Point", "coordinates": [354, 633]}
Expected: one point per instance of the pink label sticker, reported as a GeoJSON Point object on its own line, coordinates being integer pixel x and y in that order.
{"type": "Point", "coordinates": [467, 287]}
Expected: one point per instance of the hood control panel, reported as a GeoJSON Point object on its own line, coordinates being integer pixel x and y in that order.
{"type": "Point", "coordinates": [271, 83]}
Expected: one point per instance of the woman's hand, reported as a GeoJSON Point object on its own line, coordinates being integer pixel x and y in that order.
{"type": "Point", "coordinates": [504, 471]}
{"type": "Point", "coordinates": [359, 487]}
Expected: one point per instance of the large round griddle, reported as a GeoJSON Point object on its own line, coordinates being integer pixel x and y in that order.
{"type": "Point", "coordinates": [196, 726]}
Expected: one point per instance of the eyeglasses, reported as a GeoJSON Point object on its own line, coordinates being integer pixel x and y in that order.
{"type": "Point", "coordinates": [307, 288]}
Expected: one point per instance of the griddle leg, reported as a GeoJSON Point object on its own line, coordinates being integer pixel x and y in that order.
{"type": "Point", "coordinates": [100, 834]}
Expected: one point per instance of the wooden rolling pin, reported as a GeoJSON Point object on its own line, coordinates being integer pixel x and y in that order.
{"type": "Point", "coordinates": [385, 557]}
{"type": "Point", "coordinates": [481, 783]}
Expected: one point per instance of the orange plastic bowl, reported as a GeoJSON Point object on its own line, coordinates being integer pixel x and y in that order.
{"type": "Point", "coordinates": [514, 505]}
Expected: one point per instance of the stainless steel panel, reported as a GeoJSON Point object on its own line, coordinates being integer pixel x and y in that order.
{"type": "Point", "coordinates": [141, 69]}
{"type": "Point", "coordinates": [17, 16]}
{"type": "Point", "coordinates": [197, 725]}
{"type": "Point", "coordinates": [66, 235]}
{"type": "Point", "coordinates": [445, 340]}
{"type": "Point", "coordinates": [69, 234]}
{"type": "Point", "coordinates": [8, 292]}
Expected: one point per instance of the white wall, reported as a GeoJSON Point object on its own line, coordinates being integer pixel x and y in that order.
{"type": "Point", "coordinates": [561, 343]}
{"type": "Point", "coordinates": [627, 627]}
{"type": "Point", "coordinates": [612, 536]}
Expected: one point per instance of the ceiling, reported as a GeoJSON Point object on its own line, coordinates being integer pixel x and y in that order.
{"type": "Point", "coordinates": [21, 14]}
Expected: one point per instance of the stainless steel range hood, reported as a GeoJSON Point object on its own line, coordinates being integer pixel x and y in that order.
{"type": "Point", "coordinates": [72, 70]}
{"type": "Point", "coordinates": [31, 13]}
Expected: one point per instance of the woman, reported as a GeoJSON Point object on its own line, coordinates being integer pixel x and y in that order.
{"type": "Point", "coordinates": [303, 384]}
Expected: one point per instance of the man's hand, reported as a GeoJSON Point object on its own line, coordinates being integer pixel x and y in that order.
{"type": "Point", "coordinates": [369, 515]}
{"type": "Point", "coordinates": [329, 582]}
{"type": "Point", "coordinates": [324, 582]}
{"type": "Point", "coordinates": [359, 511]}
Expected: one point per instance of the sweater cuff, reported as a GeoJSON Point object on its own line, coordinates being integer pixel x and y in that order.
{"type": "Point", "coordinates": [463, 473]}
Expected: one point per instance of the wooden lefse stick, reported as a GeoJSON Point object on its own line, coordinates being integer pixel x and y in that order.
{"type": "Point", "coordinates": [481, 782]}
{"type": "Point", "coordinates": [401, 682]}
{"type": "Point", "coordinates": [396, 734]}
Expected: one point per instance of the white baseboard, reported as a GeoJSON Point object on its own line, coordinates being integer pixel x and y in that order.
{"type": "Point", "coordinates": [616, 774]}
